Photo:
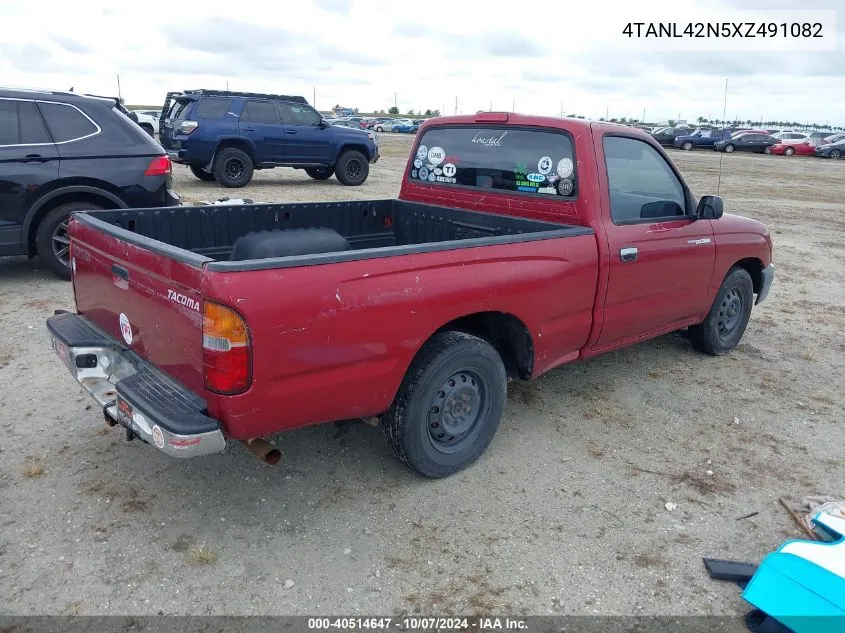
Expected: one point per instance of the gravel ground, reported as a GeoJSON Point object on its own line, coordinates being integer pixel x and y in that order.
{"type": "Point", "coordinates": [565, 513]}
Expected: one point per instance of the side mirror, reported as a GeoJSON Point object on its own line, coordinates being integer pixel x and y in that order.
{"type": "Point", "coordinates": [323, 124]}
{"type": "Point", "coordinates": [709, 208]}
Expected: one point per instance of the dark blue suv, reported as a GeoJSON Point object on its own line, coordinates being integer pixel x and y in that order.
{"type": "Point", "coordinates": [225, 136]}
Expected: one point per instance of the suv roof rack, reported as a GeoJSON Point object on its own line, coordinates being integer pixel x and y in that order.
{"type": "Point", "coordinates": [254, 95]}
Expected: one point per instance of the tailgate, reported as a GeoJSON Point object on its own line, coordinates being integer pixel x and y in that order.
{"type": "Point", "coordinates": [144, 293]}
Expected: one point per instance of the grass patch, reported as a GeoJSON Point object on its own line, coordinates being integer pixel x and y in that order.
{"type": "Point", "coordinates": [202, 555]}
{"type": "Point", "coordinates": [33, 467]}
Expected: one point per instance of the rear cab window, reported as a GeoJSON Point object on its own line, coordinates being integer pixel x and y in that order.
{"type": "Point", "coordinates": [502, 158]}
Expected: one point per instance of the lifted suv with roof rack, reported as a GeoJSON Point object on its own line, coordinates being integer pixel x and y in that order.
{"type": "Point", "coordinates": [225, 136]}
{"type": "Point", "coordinates": [62, 152]}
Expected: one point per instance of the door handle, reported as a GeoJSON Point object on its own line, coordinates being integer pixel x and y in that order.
{"type": "Point", "coordinates": [628, 254]}
{"type": "Point", "coordinates": [249, 129]}
{"type": "Point", "coordinates": [290, 131]}
{"type": "Point", "coordinates": [34, 158]}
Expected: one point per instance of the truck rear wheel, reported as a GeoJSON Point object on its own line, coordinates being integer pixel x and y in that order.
{"type": "Point", "coordinates": [725, 324]}
{"type": "Point", "coordinates": [449, 405]}
{"type": "Point", "coordinates": [352, 168]}
{"type": "Point", "coordinates": [233, 167]}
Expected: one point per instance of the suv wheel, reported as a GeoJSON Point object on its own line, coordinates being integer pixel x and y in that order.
{"type": "Point", "coordinates": [233, 167]}
{"type": "Point", "coordinates": [51, 240]}
{"type": "Point", "coordinates": [200, 173]}
{"type": "Point", "coordinates": [352, 168]}
{"type": "Point", "coordinates": [319, 173]}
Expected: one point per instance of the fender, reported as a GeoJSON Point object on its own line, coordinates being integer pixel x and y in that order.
{"type": "Point", "coordinates": [209, 166]}
{"type": "Point", "coordinates": [61, 191]}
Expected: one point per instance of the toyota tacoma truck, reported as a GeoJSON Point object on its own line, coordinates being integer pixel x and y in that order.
{"type": "Point", "coordinates": [517, 244]}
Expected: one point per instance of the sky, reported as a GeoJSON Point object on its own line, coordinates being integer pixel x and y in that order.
{"type": "Point", "coordinates": [539, 58]}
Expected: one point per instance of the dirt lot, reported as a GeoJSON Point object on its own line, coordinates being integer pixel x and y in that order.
{"type": "Point", "coordinates": [565, 513]}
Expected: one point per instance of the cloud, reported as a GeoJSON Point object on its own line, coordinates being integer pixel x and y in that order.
{"type": "Point", "coordinates": [343, 7]}
{"type": "Point", "coordinates": [72, 45]}
{"type": "Point", "coordinates": [509, 44]}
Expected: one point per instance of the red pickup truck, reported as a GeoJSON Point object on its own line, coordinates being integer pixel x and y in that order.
{"type": "Point", "coordinates": [517, 244]}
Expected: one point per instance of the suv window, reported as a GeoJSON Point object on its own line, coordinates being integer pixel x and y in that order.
{"type": "Point", "coordinates": [642, 184]}
{"type": "Point", "coordinates": [259, 112]}
{"type": "Point", "coordinates": [501, 158]}
{"type": "Point", "coordinates": [66, 122]}
{"type": "Point", "coordinates": [295, 114]}
{"type": "Point", "coordinates": [212, 108]}
{"type": "Point", "coordinates": [20, 124]}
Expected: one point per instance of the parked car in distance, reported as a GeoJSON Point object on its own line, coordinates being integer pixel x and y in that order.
{"type": "Point", "coordinates": [148, 123]}
{"type": "Point", "coordinates": [226, 136]}
{"type": "Point", "coordinates": [831, 150]}
{"type": "Point", "coordinates": [747, 142]}
{"type": "Point", "coordinates": [666, 136]}
{"type": "Point", "coordinates": [62, 152]}
{"type": "Point", "coordinates": [819, 136]}
{"type": "Point", "coordinates": [795, 148]}
{"type": "Point", "coordinates": [701, 138]}
{"type": "Point", "coordinates": [789, 137]}
{"type": "Point", "coordinates": [832, 138]}
{"type": "Point", "coordinates": [345, 123]}
{"type": "Point", "coordinates": [738, 132]}
{"type": "Point", "coordinates": [517, 244]}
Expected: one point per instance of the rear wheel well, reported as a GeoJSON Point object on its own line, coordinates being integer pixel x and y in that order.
{"type": "Point", "coordinates": [101, 201]}
{"type": "Point", "coordinates": [506, 333]}
{"type": "Point", "coordinates": [242, 145]}
{"type": "Point", "coordinates": [754, 267]}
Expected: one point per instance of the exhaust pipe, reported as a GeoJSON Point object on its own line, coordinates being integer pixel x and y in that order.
{"type": "Point", "coordinates": [264, 450]}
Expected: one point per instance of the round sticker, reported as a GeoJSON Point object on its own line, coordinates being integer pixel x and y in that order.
{"type": "Point", "coordinates": [565, 167]}
{"type": "Point", "coordinates": [565, 187]}
{"type": "Point", "coordinates": [158, 436]}
{"type": "Point", "coordinates": [544, 165]}
{"type": "Point", "coordinates": [413, 173]}
{"type": "Point", "coordinates": [424, 173]}
{"type": "Point", "coordinates": [432, 178]}
{"type": "Point", "coordinates": [417, 163]}
{"type": "Point", "coordinates": [449, 170]}
{"type": "Point", "coordinates": [436, 155]}
{"type": "Point", "coordinates": [422, 152]}
{"type": "Point", "coordinates": [125, 328]}
{"type": "Point", "coordinates": [438, 172]}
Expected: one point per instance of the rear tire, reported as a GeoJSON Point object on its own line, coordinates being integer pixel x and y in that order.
{"type": "Point", "coordinates": [200, 173]}
{"type": "Point", "coordinates": [449, 405]}
{"type": "Point", "coordinates": [835, 153]}
{"type": "Point", "coordinates": [379, 129]}
{"type": "Point", "coordinates": [352, 168]}
{"type": "Point", "coordinates": [768, 150]}
{"type": "Point", "coordinates": [722, 329]}
{"type": "Point", "coordinates": [233, 167]}
{"type": "Point", "coordinates": [51, 239]}
{"type": "Point", "coordinates": [319, 173]}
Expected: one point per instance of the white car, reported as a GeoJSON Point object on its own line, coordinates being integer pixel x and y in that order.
{"type": "Point", "coordinates": [788, 137]}
{"type": "Point", "coordinates": [149, 123]}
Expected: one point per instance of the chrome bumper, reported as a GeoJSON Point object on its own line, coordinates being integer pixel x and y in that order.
{"type": "Point", "coordinates": [133, 393]}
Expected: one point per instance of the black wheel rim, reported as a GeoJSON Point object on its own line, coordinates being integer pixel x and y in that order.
{"type": "Point", "coordinates": [730, 313]}
{"type": "Point", "coordinates": [354, 168]}
{"type": "Point", "coordinates": [61, 243]}
{"type": "Point", "coordinates": [456, 412]}
{"type": "Point", "coordinates": [234, 168]}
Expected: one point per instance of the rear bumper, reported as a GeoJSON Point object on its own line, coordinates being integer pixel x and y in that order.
{"type": "Point", "coordinates": [767, 277]}
{"type": "Point", "coordinates": [132, 392]}
{"type": "Point", "coordinates": [176, 157]}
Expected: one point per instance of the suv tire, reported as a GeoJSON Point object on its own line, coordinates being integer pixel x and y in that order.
{"type": "Point", "coordinates": [319, 173]}
{"type": "Point", "coordinates": [51, 239]}
{"type": "Point", "coordinates": [233, 167]}
{"type": "Point", "coordinates": [352, 168]}
{"type": "Point", "coordinates": [200, 173]}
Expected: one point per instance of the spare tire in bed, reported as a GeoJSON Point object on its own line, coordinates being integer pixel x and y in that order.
{"type": "Point", "coordinates": [263, 244]}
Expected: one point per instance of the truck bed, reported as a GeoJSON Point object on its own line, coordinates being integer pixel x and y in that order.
{"type": "Point", "coordinates": [205, 235]}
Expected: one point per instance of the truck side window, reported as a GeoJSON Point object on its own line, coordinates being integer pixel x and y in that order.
{"type": "Point", "coordinates": [642, 185]}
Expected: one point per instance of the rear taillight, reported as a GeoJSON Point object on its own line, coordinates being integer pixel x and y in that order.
{"type": "Point", "coordinates": [226, 351]}
{"type": "Point", "coordinates": [186, 127]}
{"type": "Point", "coordinates": [159, 166]}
